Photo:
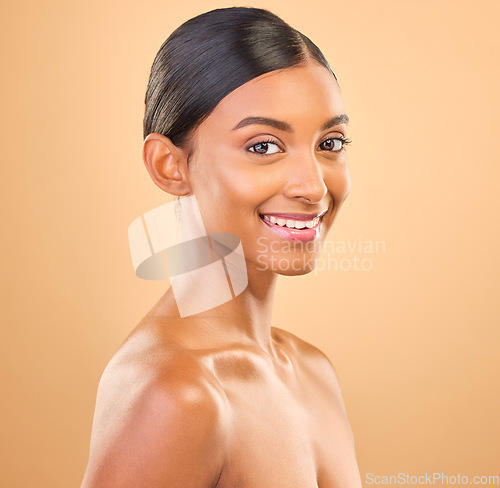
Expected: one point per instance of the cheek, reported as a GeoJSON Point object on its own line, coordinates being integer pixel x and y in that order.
{"type": "Point", "coordinates": [338, 182]}
{"type": "Point", "coordinates": [239, 184]}
{"type": "Point", "coordinates": [251, 185]}
{"type": "Point", "coordinates": [228, 195]}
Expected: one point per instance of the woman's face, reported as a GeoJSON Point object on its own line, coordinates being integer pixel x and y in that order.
{"type": "Point", "coordinates": [269, 166]}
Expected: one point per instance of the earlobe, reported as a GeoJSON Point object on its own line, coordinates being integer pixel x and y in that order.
{"type": "Point", "coordinates": [166, 164]}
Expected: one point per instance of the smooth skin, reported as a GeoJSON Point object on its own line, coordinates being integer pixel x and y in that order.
{"type": "Point", "coordinates": [223, 399]}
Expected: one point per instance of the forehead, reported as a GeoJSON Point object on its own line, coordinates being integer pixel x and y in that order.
{"type": "Point", "coordinates": [303, 96]}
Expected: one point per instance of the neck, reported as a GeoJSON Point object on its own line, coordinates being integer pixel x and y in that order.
{"type": "Point", "coordinates": [245, 319]}
{"type": "Point", "coordinates": [250, 313]}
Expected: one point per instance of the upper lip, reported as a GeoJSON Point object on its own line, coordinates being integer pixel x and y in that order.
{"type": "Point", "coordinates": [295, 216]}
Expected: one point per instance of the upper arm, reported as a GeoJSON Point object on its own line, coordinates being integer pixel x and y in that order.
{"type": "Point", "coordinates": [154, 433]}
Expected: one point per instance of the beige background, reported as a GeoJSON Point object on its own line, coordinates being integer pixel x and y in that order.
{"type": "Point", "coordinates": [414, 340]}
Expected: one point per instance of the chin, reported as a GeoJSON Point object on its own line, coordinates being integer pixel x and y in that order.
{"type": "Point", "coordinates": [298, 265]}
{"type": "Point", "coordinates": [295, 272]}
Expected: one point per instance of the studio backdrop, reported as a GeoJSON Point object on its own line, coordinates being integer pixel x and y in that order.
{"type": "Point", "coordinates": [404, 300]}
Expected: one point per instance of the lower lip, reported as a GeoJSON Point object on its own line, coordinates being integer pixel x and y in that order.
{"type": "Point", "coordinates": [302, 235]}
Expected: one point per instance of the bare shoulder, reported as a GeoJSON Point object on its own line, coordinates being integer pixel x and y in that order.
{"type": "Point", "coordinates": [304, 351]}
{"type": "Point", "coordinates": [159, 421]}
{"type": "Point", "coordinates": [312, 361]}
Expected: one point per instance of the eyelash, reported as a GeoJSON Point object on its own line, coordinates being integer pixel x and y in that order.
{"type": "Point", "coordinates": [344, 140]}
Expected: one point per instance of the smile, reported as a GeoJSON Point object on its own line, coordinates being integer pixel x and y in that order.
{"type": "Point", "coordinates": [294, 227]}
{"type": "Point", "coordinates": [292, 224]}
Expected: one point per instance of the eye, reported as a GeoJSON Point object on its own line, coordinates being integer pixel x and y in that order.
{"type": "Point", "coordinates": [265, 148]}
{"type": "Point", "coordinates": [335, 144]}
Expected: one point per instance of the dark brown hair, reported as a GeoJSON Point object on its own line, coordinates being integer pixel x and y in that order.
{"type": "Point", "coordinates": [209, 56]}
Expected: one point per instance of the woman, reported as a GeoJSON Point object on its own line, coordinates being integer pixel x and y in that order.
{"type": "Point", "coordinates": [244, 113]}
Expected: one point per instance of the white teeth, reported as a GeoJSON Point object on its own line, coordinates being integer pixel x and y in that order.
{"type": "Point", "coordinates": [292, 224]}
{"type": "Point", "coordinates": [299, 224]}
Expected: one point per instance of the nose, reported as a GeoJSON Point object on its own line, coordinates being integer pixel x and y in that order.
{"type": "Point", "coordinates": [305, 179]}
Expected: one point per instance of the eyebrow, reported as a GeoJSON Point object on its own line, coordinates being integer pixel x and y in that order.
{"type": "Point", "coordinates": [284, 126]}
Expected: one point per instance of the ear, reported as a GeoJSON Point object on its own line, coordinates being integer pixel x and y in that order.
{"type": "Point", "coordinates": [166, 164]}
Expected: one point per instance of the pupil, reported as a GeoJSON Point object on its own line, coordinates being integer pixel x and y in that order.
{"type": "Point", "coordinates": [262, 147]}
